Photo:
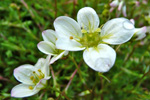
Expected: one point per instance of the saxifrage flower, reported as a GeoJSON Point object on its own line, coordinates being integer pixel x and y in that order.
{"type": "Point", "coordinates": [48, 45]}
{"type": "Point", "coordinates": [86, 35]}
{"type": "Point", "coordinates": [32, 78]}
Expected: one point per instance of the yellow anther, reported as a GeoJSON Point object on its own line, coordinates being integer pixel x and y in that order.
{"type": "Point", "coordinates": [40, 77]}
{"type": "Point", "coordinates": [31, 77]}
{"type": "Point", "coordinates": [71, 37]}
{"type": "Point", "coordinates": [30, 87]}
{"type": "Point", "coordinates": [98, 30]}
{"type": "Point", "coordinates": [39, 70]}
{"type": "Point", "coordinates": [34, 81]}
{"type": "Point", "coordinates": [33, 72]}
{"type": "Point", "coordinates": [83, 31]}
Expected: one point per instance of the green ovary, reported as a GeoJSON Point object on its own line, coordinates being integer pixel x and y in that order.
{"type": "Point", "coordinates": [90, 39]}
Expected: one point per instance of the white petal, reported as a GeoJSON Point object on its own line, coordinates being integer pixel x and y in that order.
{"type": "Point", "coordinates": [88, 19]}
{"type": "Point", "coordinates": [132, 20]}
{"type": "Point", "coordinates": [56, 57]}
{"type": "Point", "coordinates": [100, 59]}
{"type": "Point", "coordinates": [140, 32]}
{"type": "Point", "coordinates": [45, 68]}
{"type": "Point", "coordinates": [68, 44]}
{"type": "Point", "coordinates": [124, 10]}
{"type": "Point", "coordinates": [66, 27]}
{"type": "Point", "coordinates": [46, 47]}
{"type": "Point", "coordinates": [114, 3]}
{"type": "Point", "coordinates": [22, 90]}
{"type": "Point", "coordinates": [49, 35]}
{"type": "Point", "coordinates": [120, 5]}
{"type": "Point", "coordinates": [117, 31]}
{"type": "Point", "coordinates": [23, 73]}
{"type": "Point", "coordinates": [40, 63]}
{"type": "Point", "coordinates": [42, 83]}
{"type": "Point", "coordinates": [111, 9]}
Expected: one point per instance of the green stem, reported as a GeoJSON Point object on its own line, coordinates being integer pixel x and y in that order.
{"type": "Point", "coordinates": [61, 93]}
{"type": "Point", "coordinates": [78, 69]}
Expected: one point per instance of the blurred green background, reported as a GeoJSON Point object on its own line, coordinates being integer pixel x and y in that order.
{"type": "Point", "coordinates": [21, 25]}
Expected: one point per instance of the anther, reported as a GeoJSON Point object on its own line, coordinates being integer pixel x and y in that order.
{"type": "Point", "coordinates": [71, 37]}
{"type": "Point", "coordinates": [39, 70]}
{"type": "Point", "coordinates": [40, 77]}
{"type": "Point", "coordinates": [30, 87]}
{"type": "Point", "coordinates": [33, 72]}
{"type": "Point", "coordinates": [31, 77]}
{"type": "Point", "coordinates": [34, 81]}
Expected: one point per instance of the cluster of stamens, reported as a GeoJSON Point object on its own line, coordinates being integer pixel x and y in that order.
{"type": "Point", "coordinates": [90, 39]}
{"type": "Point", "coordinates": [36, 77]}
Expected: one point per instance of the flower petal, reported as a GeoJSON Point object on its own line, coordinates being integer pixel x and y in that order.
{"type": "Point", "coordinates": [56, 57]}
{"type": "Point", "coordinates": [88, 19]}
{"type": "Point", "coordinates": [67, 27]}
{"type": "Point", "coordinates": [40, 63]}
{"type": "Point", "coordinates": [117, 31]}
{"type": "Point", "coordinates": [124, 10]}
{"type": "Point", "coordinates": [68, 44]}
{"type": "Point", "coordinates": [49, 35]}
{"type": "Point", "coordinates": [120, 5]}
{"type": "Point", "coordinates": [42, 83]}
{"type": "Point", "coordinates": [133, 22]}
{"type": "Point", "coordinates": [23, 73]}
{"type": "Point", "coordinates": [114, 3]}
{"type": "Point", "coordinates": [100, 59]}
{"type": "Point", "coordinates": [45, 68]}
{"type": "Point", "coordinates": [22, 90]}
{"type": "Point", "coordinates": [140, 32]}
{"type": "Point", "coordinates": [46, 47]}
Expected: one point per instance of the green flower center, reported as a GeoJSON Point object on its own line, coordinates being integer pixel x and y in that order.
{"type": "Point", "coordinates": [90, 39]}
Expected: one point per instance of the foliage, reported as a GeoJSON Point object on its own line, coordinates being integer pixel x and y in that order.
{"type": "Point", "coordinates": [21, 25]}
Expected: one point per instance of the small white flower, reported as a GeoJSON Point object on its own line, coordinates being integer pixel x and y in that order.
{"type": "Point", "coordinates": [85, 34]}
{"type": "Point", "coordinates": [32, 78]}
{"type": "Point", "coordinates": [121, 6]}
{"type": "Point", "coordinates": [48, 45]}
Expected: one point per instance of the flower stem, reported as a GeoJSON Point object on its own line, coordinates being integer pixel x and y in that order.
{"type": "Point", "coordinates": [78, 69]}
{"type": "Point", "coordinates": [101, 78]}
{"type": "Point", "coordinates": [53, 75]}
{"type": "Point", "coordinates": [72, 76]}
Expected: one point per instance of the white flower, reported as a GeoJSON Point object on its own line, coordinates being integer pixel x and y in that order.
{"type": "Point", "coordinates": [140, 33]}
{"type": "Point", "coordinates": [32, 78]}
{"type": "Point", "coordinates": [48, 45]}
{"type": "Point", "coordinates": [86, 35]}
{"type": "Point", "coordinates": [121, 6]}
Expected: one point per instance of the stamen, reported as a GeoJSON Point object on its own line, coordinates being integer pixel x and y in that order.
{"type": "Point", "coordinates": [83, 31]}
{"type": "Point", "coordinates": [40, 77]}
{"type": "Point", "coordinates": [34, 81]}
{"type": "Point", "coordinates": [31, 77]}
{"type": "Point", "coordinates": [37, 76]}
{"type": "Point", "coordinates": [71, 37]}
{"type": "Point", "coordinates": [30, 87]}
{"type": "Point", "coordinates": [98, 30]}
{"type": "Point", "coordinates": [39, 70]}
